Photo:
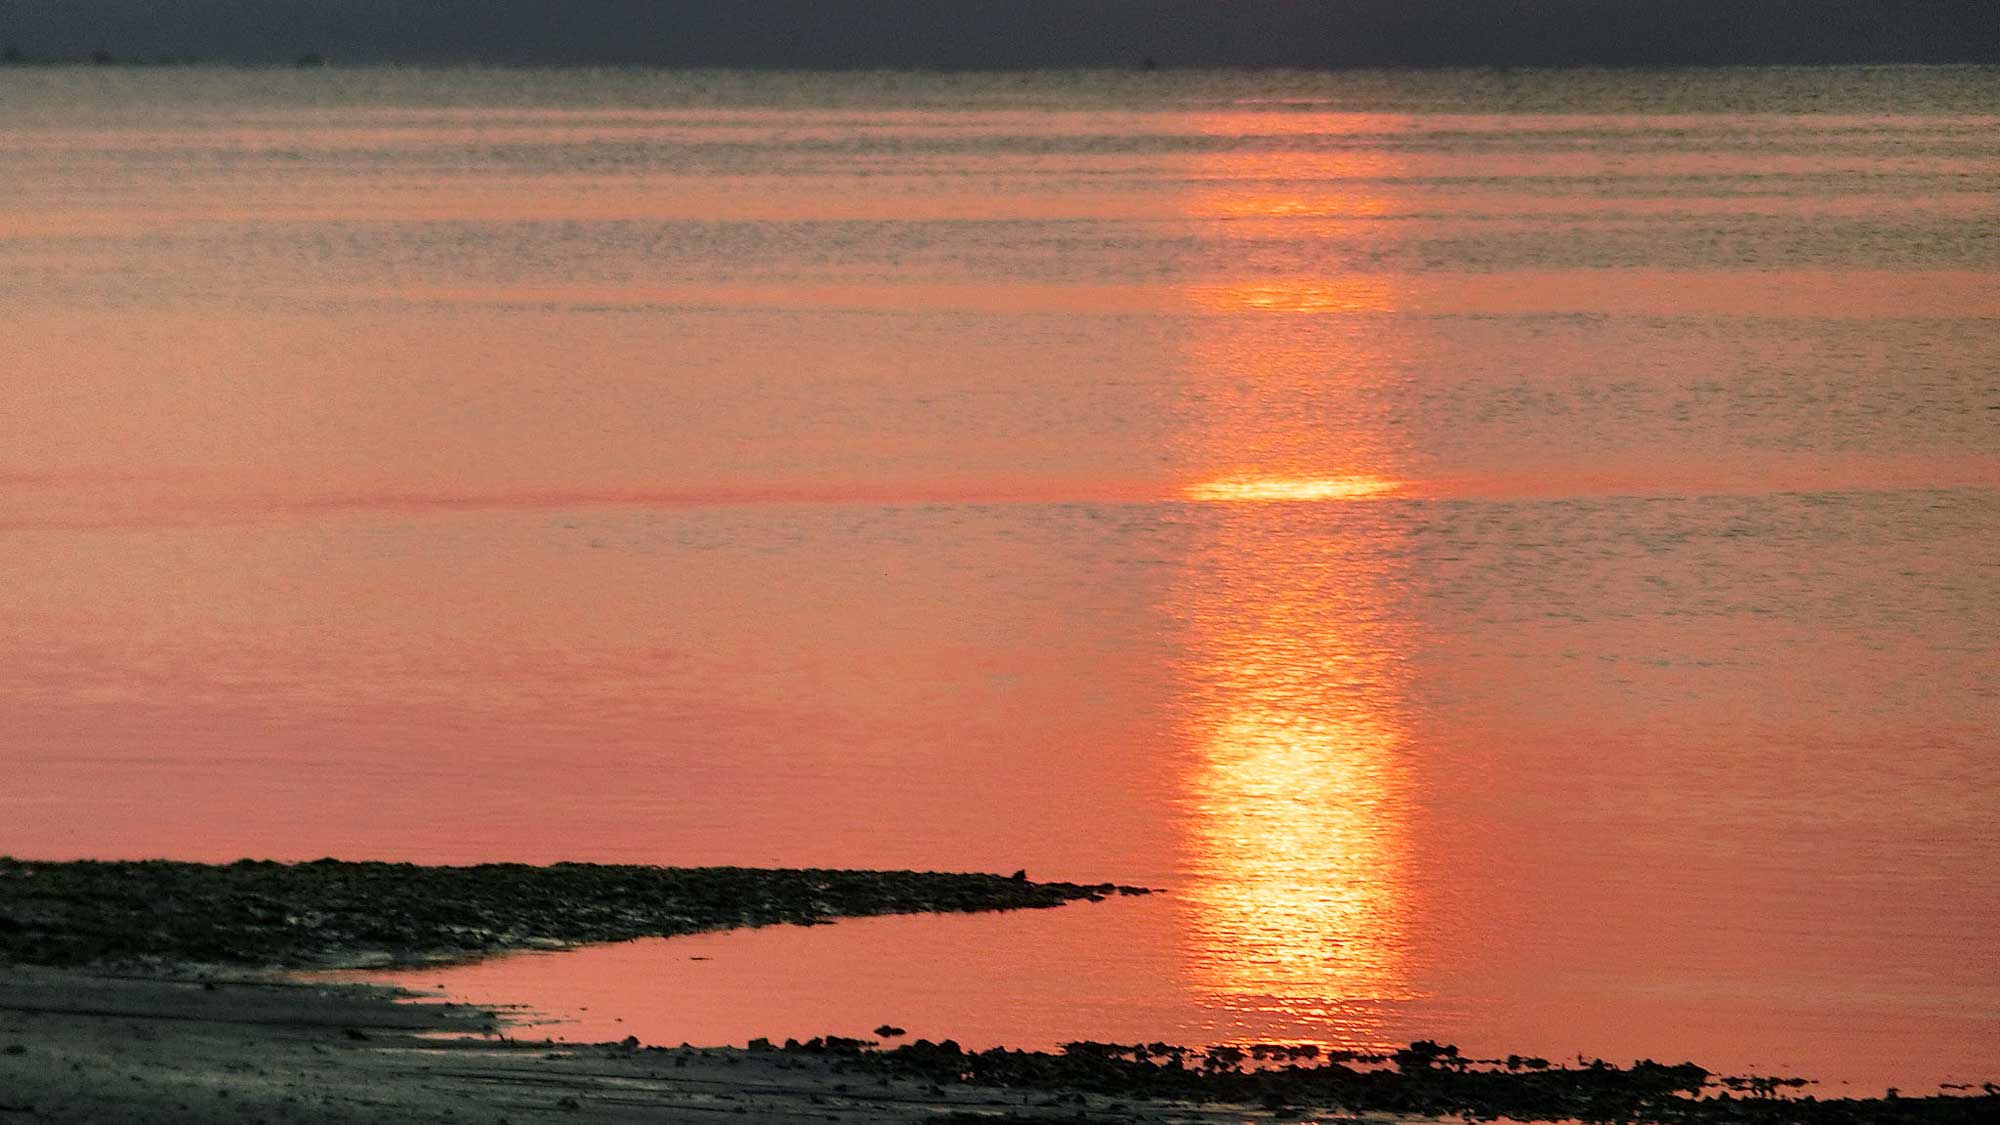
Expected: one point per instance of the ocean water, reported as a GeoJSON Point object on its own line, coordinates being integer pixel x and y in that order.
{"type": "Point", "coordinates": [1514, 554]}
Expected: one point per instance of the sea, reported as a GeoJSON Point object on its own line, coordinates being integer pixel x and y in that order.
{"type": "Point", "coordinates": [1514, 556]}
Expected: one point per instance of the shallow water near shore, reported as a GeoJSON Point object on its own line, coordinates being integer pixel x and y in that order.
{"type": "Point", "coordinates": [1038, 979]}
{"type": "Point", "coordinates": [1513, 553]}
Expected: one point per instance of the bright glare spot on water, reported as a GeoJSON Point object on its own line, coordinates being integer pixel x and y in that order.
{"type": "Point", "coordinates": [1267, 489]}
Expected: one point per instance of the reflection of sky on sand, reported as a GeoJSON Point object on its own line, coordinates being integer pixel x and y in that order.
{"type": "Point", "coordinates": [1296, 797]}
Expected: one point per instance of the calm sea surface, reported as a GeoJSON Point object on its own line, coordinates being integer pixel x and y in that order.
{"type": "Point", "coordinates": [1517, 555]}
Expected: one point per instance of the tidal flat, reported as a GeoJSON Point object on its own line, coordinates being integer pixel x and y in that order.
{"type": "Point", "coordinates": [158, 991]}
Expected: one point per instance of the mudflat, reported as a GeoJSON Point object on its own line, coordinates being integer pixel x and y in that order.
{"type": "Point", "coordinates": [152, 992]}
{"type": "Point", "coordinates": [156, 992]}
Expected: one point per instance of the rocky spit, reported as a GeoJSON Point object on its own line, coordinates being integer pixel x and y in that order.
{"type": "Point", "coordinates": [329, 913]}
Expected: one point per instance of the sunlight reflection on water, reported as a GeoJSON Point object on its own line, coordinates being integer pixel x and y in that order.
{"type": "Point", "coordinates": [1290, 488]}
{"type": "Point", "coordinates": [1297, 798]}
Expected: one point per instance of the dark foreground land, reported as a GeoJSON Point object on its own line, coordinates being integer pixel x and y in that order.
{"type": "Point", "coordinates": [141, 992]}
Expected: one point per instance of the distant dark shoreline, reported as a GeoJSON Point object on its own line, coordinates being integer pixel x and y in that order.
{"type": "Point", "coordinates": [1021, 34]}
{"type": "Point", "coordinates": [1164, 69]}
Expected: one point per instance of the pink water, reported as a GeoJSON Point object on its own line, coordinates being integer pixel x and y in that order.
{"type": "Point", "coordinates": [1517, 563]}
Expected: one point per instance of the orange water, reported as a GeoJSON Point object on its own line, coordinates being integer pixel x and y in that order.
{"type": "Point", "coordinates": [1514, 557]}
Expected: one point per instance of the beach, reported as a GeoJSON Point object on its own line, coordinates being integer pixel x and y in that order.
{"type": "Point", "coordinates": [148, 1034]}
{"type": "Point", "coordinates": [178, 1011]}
{"type": "Point", "coordinates": [119, 1049]}
{"type": "Point", "coordinates": [174, 1008]}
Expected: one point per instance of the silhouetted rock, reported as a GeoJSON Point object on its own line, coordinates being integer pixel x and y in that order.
{"type": "Point", "coordinates": [1436, 1081]}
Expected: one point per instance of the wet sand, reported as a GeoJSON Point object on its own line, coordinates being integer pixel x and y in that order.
{"type": "Point", "coordinates": [107, 1049]}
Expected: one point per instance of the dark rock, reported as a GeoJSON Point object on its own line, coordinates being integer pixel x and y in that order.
{"type": "Point", "coordinates": [325, 911]}
{"type": "Point", "coordinates": [1434, 1080]}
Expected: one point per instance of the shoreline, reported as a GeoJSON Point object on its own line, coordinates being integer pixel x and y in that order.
{"type": "Point", "coordinates": [125, 1050]}
{"type": "Point", "coordinates": [88, 1045]}
{"type": "Point", "coordinates": [191, 1011]}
